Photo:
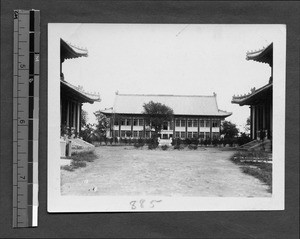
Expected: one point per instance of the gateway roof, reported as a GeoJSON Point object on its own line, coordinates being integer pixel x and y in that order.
{"type": "Point", "coordinates": [181, 104]}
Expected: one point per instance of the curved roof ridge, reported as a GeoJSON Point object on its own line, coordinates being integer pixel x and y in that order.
{"type": "Point", "coordinates": [166, 95]}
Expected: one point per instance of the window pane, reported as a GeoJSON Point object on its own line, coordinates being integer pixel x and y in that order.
{"type": "Point", "coordinates": [135, 122]}
{"type": "Point", "coordinates": [177, 135]}
{"type": "Point", "coordinates": [190, 135]}
{"type": "Point", "coordinates": [177, 122]}
{"type": "Point", "coordinates": [195, 134]}
{"type": "Point", "coordinates": [182, 123]}
{"type": "Point", "coordinates": [182, 134]}
{"type": "Point", "coordinates": [201, 123]}
{"type": "Point", "coordinates": [195, 123]}
{"type": "Point", "coordinates": [207, 123]}
{"type": "Point", "coordinates": [201, 135]}
{"type": "Point", "coordinates": [128, 122]}
{"type": "Point", "coordinates": [116, 133]}
{"type": "Point", "coordinates": [207, 135]}
{"type": "Point", "coordinates": [189, 123]}
{"type": "Point", "coordinates": [123, 132]}
{"type": "Point", "coordinates": [122, 121]}
{"type": "Point", "coordinates": [141, 122]}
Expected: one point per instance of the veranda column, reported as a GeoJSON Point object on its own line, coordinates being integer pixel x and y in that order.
{"type": "Point", "coordinates": [210, 128]}
{"type": "Point", "coordinates": [78, 118]}
{"type": "Point", "coordinates": [198, 127]}
{"type": "Point", "coordinates": [186, 130]}
{"type": "Point", "coordinates": [174, 127]}
{"type": "Point", "coordinates": [68, 112]}
{"type": "Point", "coordinates": [74, 114]}
{"type": "Point", "coordinates": [144, 127]}
{"type": "Point", "coordinates": [131, 126]}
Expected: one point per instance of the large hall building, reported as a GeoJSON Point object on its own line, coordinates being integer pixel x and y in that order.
{"type": "Point", "coordinates": [260, 100]}
{"type": "Point", "coordinates": [195, 116]}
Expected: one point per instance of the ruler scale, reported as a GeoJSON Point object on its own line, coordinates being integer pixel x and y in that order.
{"type": "Point", "coordinates": [25, 117]}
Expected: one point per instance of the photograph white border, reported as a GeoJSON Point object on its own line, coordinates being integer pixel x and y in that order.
{"type": "Point", "coordinates": [58, 203]}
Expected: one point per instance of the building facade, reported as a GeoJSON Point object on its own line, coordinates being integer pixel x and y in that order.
{"type": "Point", "coordinates": [260, 100]}
{"type": "Point", "coordinates": [72, 97]}
{"type": "Point", "coordinates": [194, 117]}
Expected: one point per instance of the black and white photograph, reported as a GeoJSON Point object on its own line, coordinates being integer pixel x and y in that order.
{"type": "Point", "coordinates": [166, 117]}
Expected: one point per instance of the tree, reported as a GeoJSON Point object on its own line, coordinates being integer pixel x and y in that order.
{"type": "Point", "coordinates": [229, 130]}
{"type": "Point", "coordinates": [84, 118]}
{"type": "Point", "coordinates": [102, 123]}
{"type": "Point", "coordinates": [157, 114]}
{"type": "Point", "coordinates": [247, 125]}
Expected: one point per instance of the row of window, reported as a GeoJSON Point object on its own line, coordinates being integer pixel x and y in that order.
{"type": "Point", "coordinates": [201, 135]}
{"type": "Point", "coordinates": [178, 123]}
{"type": "Point", "coordinates": [178, 134]}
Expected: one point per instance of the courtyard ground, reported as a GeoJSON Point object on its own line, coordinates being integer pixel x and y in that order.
{"type": "Point", "coordinates": [128, 171]}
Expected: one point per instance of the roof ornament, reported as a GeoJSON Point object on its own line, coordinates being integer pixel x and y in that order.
{"type": "Point", "coordinates": [214, 94]}
{"type": "Point", "coordinates": [117, 92]}
{"type": "Point", "coordinates": [252, 90]}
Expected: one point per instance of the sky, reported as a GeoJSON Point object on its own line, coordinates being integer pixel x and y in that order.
{"type": "Point", "coordinates": [180, 59]}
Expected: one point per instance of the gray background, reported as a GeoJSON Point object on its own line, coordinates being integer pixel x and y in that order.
{"type": "Point", "coordinates": [269, 224]}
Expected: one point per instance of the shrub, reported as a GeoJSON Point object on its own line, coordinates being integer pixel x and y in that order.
{"type": "Point", "coordinates": [188, 141]}
{"type": "Point", "coordinates": [193, 146]}
{"type": "Point", "coordinates": [116, 140]}
{"type": "Point", "coordinates": [153, 143]}
{"type": "Point", "coordinates": [111, 140]}
{"type": "Point", "coordinates": [195, 141]}
{"type": "Point", "coordinates": [243, 139]}
{"type": "Point", "coordinates": [176, 141]}
{"type": "Point", "coordinates": [215, 142]}
{"type": "Point", "coordinates": [164, 147]}
{"type": "Point", "coordinates": [126, 141]}
{"type": "Point", "coordinates": [137, 145]}
{"type": "Point", "coordinates": [141, 142]}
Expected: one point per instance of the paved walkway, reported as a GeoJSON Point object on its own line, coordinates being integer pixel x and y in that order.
{"type": "Point", "coordinates": [119, 171]}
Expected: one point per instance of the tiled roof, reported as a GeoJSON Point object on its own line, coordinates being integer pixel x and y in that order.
{"type": "Point", "coordinates": [86, 96]}
{"type": "Point", "coordinates": [246, 98]}
{"type": "Point", "coordinates": [69, 50]}
{"type": "Point", "coordinates": [264, 55]}
{"type": "Point", "coordinates": [181, 104]}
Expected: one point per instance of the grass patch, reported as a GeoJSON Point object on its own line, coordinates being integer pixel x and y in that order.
{"type": "Point", "coordinates": [79, 160]}
{"type": "Point", "coordinates": [259, 170]}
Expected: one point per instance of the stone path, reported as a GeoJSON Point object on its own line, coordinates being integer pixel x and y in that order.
{"type": "Point", "coordinates": [119, 171]}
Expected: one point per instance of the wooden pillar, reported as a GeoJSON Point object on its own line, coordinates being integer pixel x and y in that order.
{"type": "Point", "coordinates": [198, 127]}
{"type": "Point", "coordinates": [144, 127]}
{"type": "Point", "coordinates": [263, 116]}
{"type": "Point", "coordinates": [131, 126]}
{"type": "Point", "coordinates": [210, 129]}
{"type": "Point", "coordinates": [74, 115]}
{"type": "Point", "coordinates": [119, 122]}
{"type": "Point", "coordinates": [78, 117]}
{"type": "Point", "coordinates": [251, 128]}
{"type": "Point", "coordinates": [186, 130]}
{"type": "Point", "coordinates": [174, 126]}
{"type": "Point", "coordinates": [68, 112]}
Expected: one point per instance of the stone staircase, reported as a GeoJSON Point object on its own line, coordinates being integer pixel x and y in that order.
{"type": "Point", "coordinates": [266, 145]}
{"type": "Point", "coordinates": [79, 145]}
